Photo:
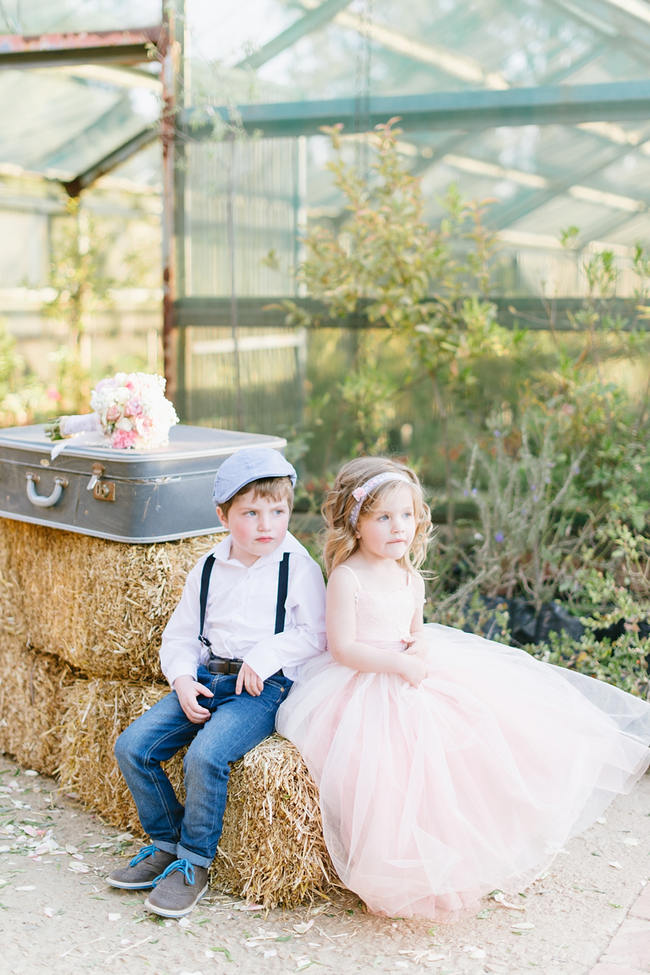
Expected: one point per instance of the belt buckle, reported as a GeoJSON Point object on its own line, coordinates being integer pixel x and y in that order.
{"type": "Point", "coordinates": [223, 665]}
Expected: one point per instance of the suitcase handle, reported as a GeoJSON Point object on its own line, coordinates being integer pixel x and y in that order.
{"type": "Point", "coordinates": [38, 499]}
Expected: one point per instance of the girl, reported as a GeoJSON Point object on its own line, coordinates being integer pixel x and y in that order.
{"type": "Point", "coordinates": [447, 765]}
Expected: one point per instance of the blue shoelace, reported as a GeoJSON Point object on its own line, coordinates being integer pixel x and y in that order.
{"type": "Point", "coordinates": [184, 865]}
{"type": "Point", "coordinates": [146, 851]}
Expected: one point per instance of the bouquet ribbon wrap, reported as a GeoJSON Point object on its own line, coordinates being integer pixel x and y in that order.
{"type": "Point", "coordinates": [84, 429]}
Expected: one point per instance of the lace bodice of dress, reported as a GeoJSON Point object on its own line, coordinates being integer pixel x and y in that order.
{"type": "Point", "coordinates": [383, 616]}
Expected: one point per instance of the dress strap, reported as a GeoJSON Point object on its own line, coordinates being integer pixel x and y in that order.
{"type": "Point", "coordinates": [352, 572]}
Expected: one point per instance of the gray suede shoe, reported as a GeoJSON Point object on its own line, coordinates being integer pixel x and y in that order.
{"type": "Point", "coordinates": [178, 889]}
{"type": "Point", "coordinates": [142, 870]}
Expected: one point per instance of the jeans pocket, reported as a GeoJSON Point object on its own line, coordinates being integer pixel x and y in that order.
{"type": "Point", "coordinates": [274, 693]}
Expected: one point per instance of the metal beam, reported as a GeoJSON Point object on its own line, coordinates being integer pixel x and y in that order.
{"type": "Point", "coordinates": [109, 162]}
{"type": "Point", "coordinates": [535, 313]}
{"type": "Point", "coordinates": [43, 50]}
{"type": "Point", "coordinates": [304, 25]}
{"type": "Point", "coordinates": [468, 110]}
{"type": "Point", "coordinates": [456, 142]}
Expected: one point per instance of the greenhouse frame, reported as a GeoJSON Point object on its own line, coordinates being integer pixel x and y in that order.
{"type": "Point", "coordinates": [218, 110]}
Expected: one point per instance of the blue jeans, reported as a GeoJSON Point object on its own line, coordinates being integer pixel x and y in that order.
{"type": "Point", "coordinates": [237, 723]}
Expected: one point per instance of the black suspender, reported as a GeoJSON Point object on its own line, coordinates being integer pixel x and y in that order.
{"type": "Point", "coordinates": [283, 585]}
{"type": "Point", "coordinates": [203, 598]}
{"type": "Point", "coordinates": [280, 608]}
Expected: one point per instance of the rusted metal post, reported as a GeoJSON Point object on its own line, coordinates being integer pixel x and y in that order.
{"type": "Point", "coordinates": [169, 50]}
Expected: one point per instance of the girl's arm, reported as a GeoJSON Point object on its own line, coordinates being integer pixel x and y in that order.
{"type": "Point", "coordinates": [340, 617]}
{"type": "Point", "coordinates": [417, 623]}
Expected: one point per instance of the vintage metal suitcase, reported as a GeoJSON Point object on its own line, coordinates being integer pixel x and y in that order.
{"type": "Point", "coordinates": [128, 496]}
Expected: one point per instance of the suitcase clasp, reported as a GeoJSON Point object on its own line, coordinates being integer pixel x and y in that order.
{"type": "Point", "coordinates": [96, 472]}
{"type": "Point", "coordinates": [102, 490]}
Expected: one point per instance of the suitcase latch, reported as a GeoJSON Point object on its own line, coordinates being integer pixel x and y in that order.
{"type": "Point", "coordinates": [102, 490]}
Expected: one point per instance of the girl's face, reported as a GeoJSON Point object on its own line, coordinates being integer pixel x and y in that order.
{"type": "Point", "coordinates": [386, 532]}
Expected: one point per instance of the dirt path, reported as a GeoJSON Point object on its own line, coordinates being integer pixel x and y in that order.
{"type": "Point", "coordinates": [58, 915]}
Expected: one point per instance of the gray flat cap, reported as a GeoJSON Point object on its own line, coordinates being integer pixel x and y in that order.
{"type": "Point", "coordinates": [246, 466]}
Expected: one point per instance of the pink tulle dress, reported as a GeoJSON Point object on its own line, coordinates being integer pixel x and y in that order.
{"type": "Point", "coordinates": [433, 796]}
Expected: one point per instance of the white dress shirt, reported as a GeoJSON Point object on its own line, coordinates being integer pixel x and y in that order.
{"type": "Point", "coordinates": [240, 614]}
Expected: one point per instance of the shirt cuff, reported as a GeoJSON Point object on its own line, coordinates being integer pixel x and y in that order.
{"type": "Point", "coordinates": [262, 662]}
{"type": "Point", "coordinates": [179, 669]}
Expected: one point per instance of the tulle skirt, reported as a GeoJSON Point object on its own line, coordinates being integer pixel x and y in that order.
{"type": "Point", "coordinates": [433, 796]}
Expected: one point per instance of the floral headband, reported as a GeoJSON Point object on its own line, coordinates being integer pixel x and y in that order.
{"type": "Point", "coordinates": [361, 493]}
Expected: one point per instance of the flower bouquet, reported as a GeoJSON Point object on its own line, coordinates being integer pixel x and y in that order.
{"type": "Point", "coordinates": [130, 411]}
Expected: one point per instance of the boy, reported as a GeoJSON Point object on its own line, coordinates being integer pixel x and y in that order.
{"type": "Point", "coordinates": [247, 619]}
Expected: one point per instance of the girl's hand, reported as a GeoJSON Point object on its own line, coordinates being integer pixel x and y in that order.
{"type": "Point", "coordinates": [413, 669]}
{"type": "Point", "coordinates": [417, 647]}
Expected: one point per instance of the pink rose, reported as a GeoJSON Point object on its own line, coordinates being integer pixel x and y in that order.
{"type": "Point", "coordinates": [122, 439]}
{"type": "Point", "coordinates": [133, 407]}
{"type": "Point", "coordinates": [113, 413]}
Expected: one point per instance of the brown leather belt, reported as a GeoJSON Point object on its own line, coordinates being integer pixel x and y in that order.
{"type": "Point", "coordinates": [224, 665]}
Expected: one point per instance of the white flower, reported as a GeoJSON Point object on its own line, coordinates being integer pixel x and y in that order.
{"type": "Point", "coordinates": [142, 396]}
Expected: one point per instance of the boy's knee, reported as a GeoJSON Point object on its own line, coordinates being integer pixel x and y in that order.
{"type": "Point", "coordinates": [203, 760]}
{"type": "Point", "coordinates": [122, 747]}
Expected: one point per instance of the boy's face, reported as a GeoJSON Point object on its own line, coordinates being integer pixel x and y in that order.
{"type": "Point", "coordinates": [257, 525]}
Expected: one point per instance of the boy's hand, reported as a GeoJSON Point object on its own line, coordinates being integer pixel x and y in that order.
{"type": "Point", "coordinates": [250, 680]}
{"type": "Point", "coordinates": [188, 690]}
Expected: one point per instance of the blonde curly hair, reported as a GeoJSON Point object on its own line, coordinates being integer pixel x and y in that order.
{"type": "Point", "coordinates": [340, 535]}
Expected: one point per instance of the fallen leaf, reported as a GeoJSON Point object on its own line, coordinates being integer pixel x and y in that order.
{"type": "Point", "coordinates": [77, 867]}
{"type": "Point", "coordinates": [500, 898]}
{"type": "Point", "coordinates": [224, 951]}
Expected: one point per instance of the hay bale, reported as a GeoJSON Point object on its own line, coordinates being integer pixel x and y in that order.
{"type": "Point", "coordinates": [272, 850]}
{"type": "Point", "coordinates": [95, 712]}
{"type": "Point", "coordinates": [32, 688]}
{"type": "Point", "coordinates": [12, 617]}
{"type": "Point", "coordinates": [99, 605]}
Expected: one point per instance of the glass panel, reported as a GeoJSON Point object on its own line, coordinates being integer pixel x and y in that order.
{"type": "Point", "coordinates": [46, 17]}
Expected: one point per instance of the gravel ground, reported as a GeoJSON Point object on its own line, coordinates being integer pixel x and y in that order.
{"type": "Point", "coordinates": [59, 916]}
